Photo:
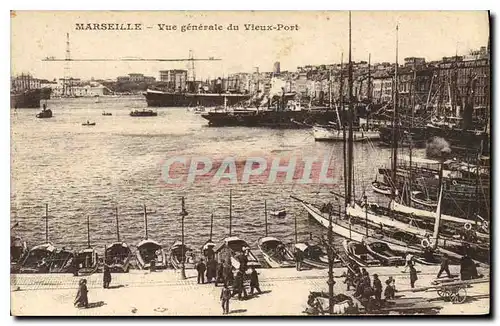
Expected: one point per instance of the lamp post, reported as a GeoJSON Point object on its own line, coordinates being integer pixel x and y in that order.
{"type": "Point", "coordinates": [183, 214]}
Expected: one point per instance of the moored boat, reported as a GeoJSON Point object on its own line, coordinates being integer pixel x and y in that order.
{"type": "Point", "coordinates": [232, 247]}
{"type": "Point", "coordinates": [36, 260]}
{"type": "Point", "coordinates": [314, 255]}
{"type": "Point", "coordinates": [207, 250]}
{"type": "Point", "coordinates": [358, 253]}
{"type": "Point", "coordinates": [117, 257]}
{"type": "Point", "coordinates": [107, 113]}
{"type": "Point", "coordinates": [418, 197]}
{"type": "Point", "coordinates": [149, 250]}
{"type": "Point", "coordinates": [143, 113]}
{"type": "Point", "coordinates": [275, 252]}
{"type": "Point", "coordinates": [330, 133]}
{"type": "Point", "coordinates": [278, 213]}
{"type": "Point", "coordinates": [45, 113]}
{"type": "Point", "coordinates": [61, 261]}
{"type": "Point", "coordinates": [382, 252]}
{"type": "Point", "coordinates": [180, 252]}
{"type": "Point", "coordinates": [87, 261]}
{"type": "Point", "coordinates": [382, 188]}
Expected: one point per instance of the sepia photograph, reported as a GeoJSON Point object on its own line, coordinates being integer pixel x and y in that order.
{"type": "Point", "coordinates": [250, 163]}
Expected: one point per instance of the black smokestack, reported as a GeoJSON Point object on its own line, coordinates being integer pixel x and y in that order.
{"type": "Point", "coordinates": [437, 147]}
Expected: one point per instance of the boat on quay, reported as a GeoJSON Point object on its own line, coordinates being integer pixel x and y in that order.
{"type": "Point", "coordinates": [275, 252]}
{"type": "Point", "coordinates": [150, 252]}
{"type": "Point", "coordinates": [118, 255]}
{"type": "Point", "coordinates": [382, 252]}
{"type": "Point", "coordinates": [61, 261]}
{"type": "Point", "coordinates": [233, 246]}
{"type": "Point", "coordinates": [143, 113]}
{"type": "Point", "coordinates": [315, 256]}
{"type": "Point", "coordinates": [180, 253]}
{"type": "Point", "coordinates": [87, 260]}
{"type": "Point", "coordinates": [18, 249]}
{"type": "Point", "coordinates": [36, 260]}
{"type": "Point", "coordinates": [358, 253]}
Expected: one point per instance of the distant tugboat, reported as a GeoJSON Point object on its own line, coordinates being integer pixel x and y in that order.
{"type": "Point", "coordinates": [143, 113]}
{"type": "Point", "coordinates": [46, 113]}
{"type": "Point", "coordinates": [106, 113]}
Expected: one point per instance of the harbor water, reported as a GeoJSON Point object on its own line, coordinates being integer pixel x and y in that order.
{"type": "Point", "coordinates": [82, 171]}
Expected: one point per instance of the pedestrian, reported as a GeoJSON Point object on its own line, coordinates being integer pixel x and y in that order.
{"type": "Point", "coordinates": [377, 287]}
{"type": "Point", "coordinates": [243, 259]}
{"type": "Point", "coordinates": [239, 286]}
{"type": "Point", "coordinates": [365, 277]}
{"type": "Point", "coordinates": [390, 290]}
{"type": "Point", "coordinates": [106, 277]}
{"type": "Point", "coordinates": [228, 273]}
{"type": "Point", "coordinates": [413, 276]}
{"type": "Point", "coordinates": [81, 299]}
{"type": "Point", "coordinates": [211, 270]}
{"type": "Point", "coordinates": [225, 296]}
{"type": "Point", "coordinates": [219, 278]}
{"type": "Point", "coordinates": [468, 269]}
{"type": "Point", "coordinates": [445, 267]}
{"type": "Point", "coordinates": [254, 281]}
{"type": "Point", "coordinates": [298, 259]}
{"type": "Point", "coordinates": [201, 267]}
{"type": "Point", "coordinates": [152, 265]}
{"type": "Point", "coordinates": [408, 262]}
{"type": "Point", "coordinates": [349, 280]}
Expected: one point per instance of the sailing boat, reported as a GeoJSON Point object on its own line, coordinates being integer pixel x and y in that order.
{"type": "Point", "coordinates": [87, 260]}
{"type": "Point", "coordinates": [274, 250]}
{"type": "Point", "coordinates": [149, 250]}
{"type": "Point", "coordinates": [207, 250]}
{"type": "Point", "coordinates": [118, 255]}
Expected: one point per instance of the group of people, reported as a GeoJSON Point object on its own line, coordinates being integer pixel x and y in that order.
{"type": "Point", "coordinates": [368, 292]}
{"type": "Point", "coordinates": [222, 273]}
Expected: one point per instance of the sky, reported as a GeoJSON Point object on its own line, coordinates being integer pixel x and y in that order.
{"type": "Point", "coordinates": [321, 38]}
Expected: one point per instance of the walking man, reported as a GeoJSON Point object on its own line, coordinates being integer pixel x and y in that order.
{"type": "Point", "coordinates": [298, 259]}
{"type": "Point", "coordinates": [225, 296]}
{"type": "Point", "coordinates": [201, 267]}
{"type": "Point", "coordinates": [377, 288]}
{"type": "Point", "coordinates": [254, 281]}
{"type": "Point", "coordinates": [445, 267]}
{"type": "Point", "coordinates": [106, 277]}
{"type": "Point", "coordinates": [413, 276]}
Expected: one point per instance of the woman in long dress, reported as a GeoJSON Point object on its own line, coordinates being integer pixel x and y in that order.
{"type": "Point", "coordinates": [81, 299]}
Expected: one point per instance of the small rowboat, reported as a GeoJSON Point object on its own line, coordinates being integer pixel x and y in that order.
{"type": "Point", "coordinates": [118, 257]}
{"type": "Point", "coordinates": [88, 124]}
{"type": "Point", "coordinates": [419, 198]}
{"type": "Point", "coordinates": [232, 247]}
{"type": "Point", "coordinates": [149, 250]}
{"type": "Point", "coordinates": [381, 251]}
{"type": "Point", "coordinates": [275, 253]}
{"type": "Point", "coordinates": [87, 261]}
{"type": "Point", "coordinates": [280, 213]}
{"type": "Point", "coordinates": [178, 253]}
{"type": "Point", "coordinates": [107, 113]}
{"type": "Point", "coordinates": [382, 188]}
{"type": "Point", "coordinates": [358, 253]}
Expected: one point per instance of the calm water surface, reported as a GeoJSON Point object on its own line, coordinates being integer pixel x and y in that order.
{"type": "Point", "coordinates": [87, 171]}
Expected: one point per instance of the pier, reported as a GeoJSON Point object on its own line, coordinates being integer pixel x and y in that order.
{"type": "Point", "coordinates": [142, 293]}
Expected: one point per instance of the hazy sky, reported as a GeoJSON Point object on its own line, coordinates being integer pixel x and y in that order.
{"type": "Point", "coordinates": [321, 38]}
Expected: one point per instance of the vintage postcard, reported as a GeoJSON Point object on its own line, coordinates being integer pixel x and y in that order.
{"type": "Point", "coordinates": [250, 163]}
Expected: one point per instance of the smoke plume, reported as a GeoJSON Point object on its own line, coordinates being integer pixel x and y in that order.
{"type": "Point", "coordinates": [437, 147]}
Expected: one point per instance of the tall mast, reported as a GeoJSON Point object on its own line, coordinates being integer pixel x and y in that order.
{"type": "Point", "coordinates": [117, 225]}
{"type": "Point", "coordinates": [369, 87]}
{"type": "Point", "coordinates": [145, 222]}
{"type": "Point", "coordinates": [265, 214]}
{"type": "Point", "coordinates": [412, 89]}
{"type": "Point", "coordinates": [350, 139]}
{"type": "Point", "coordinates": [88, 231]}
{"type": "Point", "coordinates": [341, 89]}
{"type": "Point", "coordinates": [230, 211]}
{"type": "Point", "coordinates": [46, 223]}
{"type": "Point", "coordinates": [211, 225]}
{"type": "Point", "coordinates": [395, 121]}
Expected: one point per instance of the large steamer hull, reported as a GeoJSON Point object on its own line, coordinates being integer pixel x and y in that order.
{"type": "Point", "coordinates": [161, 99]}
{"type": "Point", "coordinates": [276, 119]}
{"type": "Point", "coordinates": [28, 99]}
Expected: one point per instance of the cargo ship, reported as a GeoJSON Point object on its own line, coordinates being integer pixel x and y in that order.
{"type": "Point", "coordinates": [27, 99]}
{"type": "Point", "coordinates": [157, 98]}
{"type": "Point", "coordinates": [25, 92]}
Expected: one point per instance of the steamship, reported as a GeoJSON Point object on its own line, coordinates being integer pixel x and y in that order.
{"type": "Point", "coordinates": [24, 92]}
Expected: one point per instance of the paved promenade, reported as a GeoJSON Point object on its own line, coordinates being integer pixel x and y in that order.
{"type": "Point", "coordinates": [140, 293]}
